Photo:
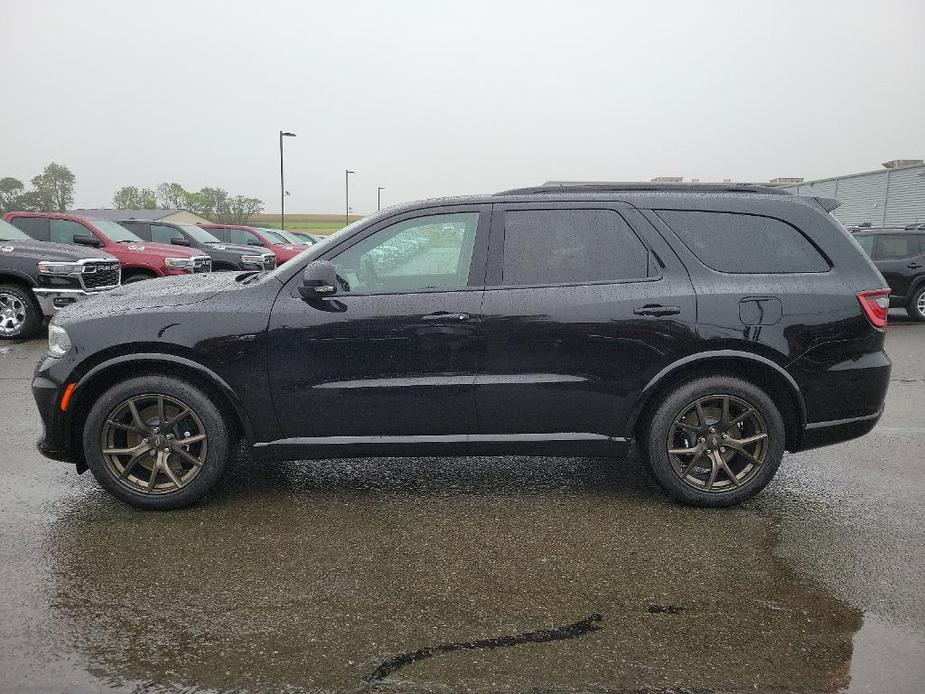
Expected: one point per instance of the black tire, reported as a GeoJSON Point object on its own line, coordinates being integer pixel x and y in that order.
{"type": "Point", "coordinates": [175, 390]}
{"type": "Point", "coordinates": [710, 391]}
{"type": "Point", "coordinates": [916, 306]}
{"type": "Point", "coordinates": [20, 314]}
{"type": "Point", "coordinates": [130, 277]}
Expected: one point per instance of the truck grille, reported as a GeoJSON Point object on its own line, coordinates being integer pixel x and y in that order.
{"type": "Point", "coordinates": [202, 264]}
{"type": "Point", "coordinates": [100, 275]}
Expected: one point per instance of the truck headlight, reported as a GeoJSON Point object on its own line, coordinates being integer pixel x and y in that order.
{"type": "Point", "coordinates": [59, 343]}
{"type": "Point", "coordinates": [185, 263]}
{"type": "Point", "coordinates": [252, 259]}
{"type": "Point", "coordinates": [50, 267]}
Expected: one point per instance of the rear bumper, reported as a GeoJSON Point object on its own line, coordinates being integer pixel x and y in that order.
{"type": "Point", "coordinates": [819, 434]}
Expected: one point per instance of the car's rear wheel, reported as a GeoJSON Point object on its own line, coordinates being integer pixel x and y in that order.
{"type": "Point", "coordinates": [156, 442]}
{"type": "Point", "coordinates": [715, 441]}
{"type": "Point", "coordinates": [20, 314]}
{"type": "Point", "coordinates": [916, 307]}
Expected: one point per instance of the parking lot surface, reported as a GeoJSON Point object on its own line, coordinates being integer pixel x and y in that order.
{"type": "Point", "coordinates": [497, 574]}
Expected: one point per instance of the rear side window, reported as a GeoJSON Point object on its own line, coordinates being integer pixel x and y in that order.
{"type": "Point", "coordinates": [570, 246]}
{"type": "Point", "coordinates": [889, 247]}
{"type": "Point", "coordinates": [743, 243]}
{"type": "Point", "coordinates": [64, 230]}
{"type": "Point", "coordinates": [36, 227]}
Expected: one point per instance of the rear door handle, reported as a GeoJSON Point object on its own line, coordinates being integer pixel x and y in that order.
{"type": "Point", "coordinates": [447, 315]}
{"type": "Point", "coordinates": [657, 310]}
{"type": "Point", "coordinates": [913, 266]}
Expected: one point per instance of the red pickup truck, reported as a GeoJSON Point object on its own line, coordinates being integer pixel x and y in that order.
{"type": "Point", "coordinates": [140, 259]}
{"type": "Point", "coordinates": [243, 235]}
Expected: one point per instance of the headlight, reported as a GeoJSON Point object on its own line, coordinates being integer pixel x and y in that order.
{"type": "Point", "coordinates": [252, 259]}
{"type": "Point", "coordinates": [179, 262]}
{"type": "Point", "coordinates": [59, 343]}
{"type": "Point", "coordinates": [50, 267]}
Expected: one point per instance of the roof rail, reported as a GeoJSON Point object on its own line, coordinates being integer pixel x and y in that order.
{"type": "Point", "coordinates": [632, 187]}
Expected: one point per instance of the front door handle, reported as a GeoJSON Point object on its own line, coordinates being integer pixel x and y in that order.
{"type": "Point", "coordinates": [657, 310]}
{"type": "Point", "coordinates": [447, 315]}
{"type": "Point", "coordinates": [913, 266]}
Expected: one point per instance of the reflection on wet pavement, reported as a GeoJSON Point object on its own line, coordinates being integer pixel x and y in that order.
{"type": "Point", "coordinates": [436, 574]}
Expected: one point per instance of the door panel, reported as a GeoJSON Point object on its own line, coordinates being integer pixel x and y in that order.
{"type": "Point", "coordinates": [574, 357]}
{"type": "Point", "coordinates": [394, 352]}
{"type": "Point", "coordinates": [899, 259]}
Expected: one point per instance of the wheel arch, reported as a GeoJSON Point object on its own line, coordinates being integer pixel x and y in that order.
{"type": "Point", "coordinates": [101, 375]}
{"type": "Point", "coordinates": [11, 276]}
{"type": "Point", "coordinates": [758, 370]}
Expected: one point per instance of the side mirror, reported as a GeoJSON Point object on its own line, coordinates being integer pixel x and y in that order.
{"type": "Point", "coordinates": [319, 279]}
{"type": "Point", "coordinates": [255, 242]}
{"type": "Point", "coordinates": [87, 240]}
{"type": "Point", "coordinates": [180, 242]}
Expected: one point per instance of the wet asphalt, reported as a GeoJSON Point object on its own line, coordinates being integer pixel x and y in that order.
{"type": "Point", "coordinates": [470, 575]}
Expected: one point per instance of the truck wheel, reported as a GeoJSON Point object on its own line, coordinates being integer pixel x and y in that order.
{"type": "Point", "coordinates": [714, 441]}
{"type": "Point", "coordinates": [130, 277]}
{"type": "Point", "coordinates": [156, 442]}
{"type": "Point", "coordinates": [20, 313]}
{"type": "Point", "coordinates": [916, 307]}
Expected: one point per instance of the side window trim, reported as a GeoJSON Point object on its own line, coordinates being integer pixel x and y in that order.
{"type": "Point", "coordinates": [495, 268]}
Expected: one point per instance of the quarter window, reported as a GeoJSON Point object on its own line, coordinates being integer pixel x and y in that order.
{"type": "Point", "coordinates": [420, 254]}
{"type": "Point", "coordinates": [64, 230]}
{"type": "Point", "coordinates": [742, 243]}
{"type": "Point", "coordinates": [544, 247]}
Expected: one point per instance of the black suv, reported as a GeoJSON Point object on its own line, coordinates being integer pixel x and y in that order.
{"type": "Point", "coordinates": [713, 326]}
{"type": "Point", "coordinates": [37, 279]}
{"type": "Point", "coordinates": [899, 254]}
{"type": "Point", "coordinates": [224, 256]}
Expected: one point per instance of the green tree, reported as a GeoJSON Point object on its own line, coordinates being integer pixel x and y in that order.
{"type": "Point", "coordinates": [11, 191]}
{"type": "Point", "coordinates": [241, 209]}
{"type": "Point", "coordinates": [132, 198]}
{"type": "Point", "coordinates": [55, 187]}
{"type": "Point", "coordinates": [171, 195]}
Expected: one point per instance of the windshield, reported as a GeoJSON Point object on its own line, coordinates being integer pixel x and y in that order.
{"type": "Point", "coordinates": [113, 231]}
{"type": "Point", "coordinates": [320, 247]}
{"type": "Point", "coordinates": [293, 238]}
{"type": "Point", "coordinates": [199, 233]}
{"type": "Point", "coordinates": [10, 233]}
{"type": "Point", "coordinates": [274, 236]}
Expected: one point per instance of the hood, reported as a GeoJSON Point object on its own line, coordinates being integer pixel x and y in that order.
{"type": "Point", "coordinates": [164, 250]}
{"type": "Point", "coordinates": [43, 250]}
{"type": "Point", "coordinates": [235, 248]}
{"type": "Point", "coordinates": [151, 295]}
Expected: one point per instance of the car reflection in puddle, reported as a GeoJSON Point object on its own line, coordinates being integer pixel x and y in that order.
{"type": "Point", "coordinates": [314, 576]}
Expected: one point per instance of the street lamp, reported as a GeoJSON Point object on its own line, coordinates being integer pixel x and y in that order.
{"type": "Point", "coordinates": [282, 182]}
{"type": "Point", "coordinates": [379, 190]}
{"type": "Point", "coordinates": [347, 173]}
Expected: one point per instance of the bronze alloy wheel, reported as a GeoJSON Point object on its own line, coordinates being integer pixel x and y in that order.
{"type": "Point", "coordinates": [154, 444]}
{"type": "Point", "coordinates": [717, 443]}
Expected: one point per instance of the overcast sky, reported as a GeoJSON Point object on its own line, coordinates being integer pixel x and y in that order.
{"type": "Point", "coordinates": [434, 98]}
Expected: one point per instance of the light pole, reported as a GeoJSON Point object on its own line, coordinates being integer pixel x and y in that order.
{"type": "Point", "coordinates": [347, 173]}
{"type": "Point", "coordinates": [379, 190]}
{"type": "Point", "coordinates": [282, 181]}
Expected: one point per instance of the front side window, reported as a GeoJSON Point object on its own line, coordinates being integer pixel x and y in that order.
{"type": "Point", "coordinates": [161, 233]}
{"type": "Point", "coordinates": [570, 246]}
{"type": "Point", "coordinates": [243, 237]}
{"type": "Point", "coordinates": [890, 247]}
{"type": "Point", "coordinates": [64, 230]}
{"type": "Point", "coordinates": [115, 232]}
{"type": "Point", "coordinates": [420, 254]}
{"type": "Point", "coordinates": [744, 243]}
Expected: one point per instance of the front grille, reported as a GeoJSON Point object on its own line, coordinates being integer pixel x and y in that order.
{"type": "Point", "coordinates": [202, 264]}
{"type": "Point", "coordinates": [97, 275]}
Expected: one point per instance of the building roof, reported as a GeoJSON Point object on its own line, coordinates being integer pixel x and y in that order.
{"type": "Point", "coordinates": [113, 215]}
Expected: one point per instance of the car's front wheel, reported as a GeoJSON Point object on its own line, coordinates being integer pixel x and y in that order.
{"type": "Point", "coordinates": [715, 441]}
{"type": "Point", "coordinates": [20, 314]}
{"type": "Point", "coordinates": [916, 307]}
{"type": "Point", "coordinates": [156, 442]}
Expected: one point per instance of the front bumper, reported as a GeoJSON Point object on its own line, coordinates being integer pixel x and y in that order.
{"type": "Point", "coordinates": [51, 300]}
{"type": "Point", "coordinates": [55, 441]}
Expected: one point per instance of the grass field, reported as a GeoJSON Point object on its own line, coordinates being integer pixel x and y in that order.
{"type": "Point", "coordinates": [312, 223]}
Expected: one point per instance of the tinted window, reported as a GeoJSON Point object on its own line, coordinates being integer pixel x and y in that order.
{"type": "Point", "coordinates": [64, 230]}
{"type": "Point", "coordinates": [161, 233]}
{"type": "Point", "coordinates": [568, 246]}
{"type": "Point", "coordinates": [243, 237]}
{"type": "Point", "coordinates": [433, 252]}
{"type": "Point", "coordinates": [867, 243]}
{"type": "Point", "coordinates": [140, 229]}
{"type": "Point", "coordinates": [10, 233]}
{"type": "Point", "coordinates": [888, 247]}
{"type": "Point", "coordinates": [731, 242]}
{"type": "Point", "coordinates": [35, 227]}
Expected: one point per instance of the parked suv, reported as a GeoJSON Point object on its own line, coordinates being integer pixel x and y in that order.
{"type": "Point", "coordinates": [243, 235]}
{"type": "Point", "coordinates": [899, 254]}
{"type": "Point", "coordinates": [224, 256]}
{"type": "Point", "coordinates": [715, 327]}
{"type": "Point", "coordinates": [140, 260]}
{"type": "Point", "coordinates": [36, 279]}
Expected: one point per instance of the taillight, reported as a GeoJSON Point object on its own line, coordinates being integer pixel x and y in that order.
{"type": "Point", "coordinates": [876, 304]}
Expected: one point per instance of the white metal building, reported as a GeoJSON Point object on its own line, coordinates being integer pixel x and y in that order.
{"type": "Point", "coordinates": [891, 196]}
